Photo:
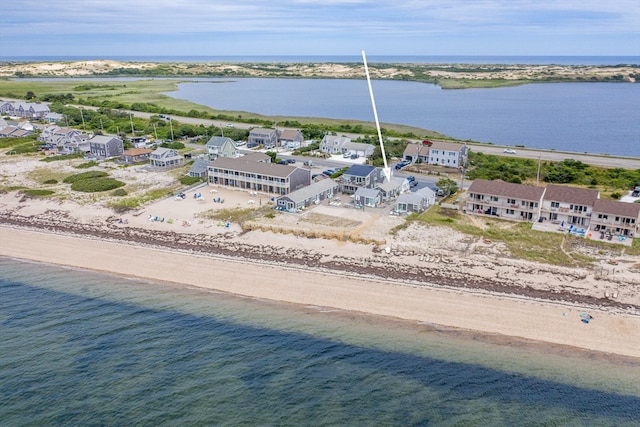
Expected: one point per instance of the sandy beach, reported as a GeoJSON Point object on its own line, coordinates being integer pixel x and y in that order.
{"type": "Point", "coordinates": [447, 286]}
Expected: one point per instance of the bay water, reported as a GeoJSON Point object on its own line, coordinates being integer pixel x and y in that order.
{"type": "Point", "coordinates": [82, 348]}
{"type": "Point", "coordinates": [600, 118]}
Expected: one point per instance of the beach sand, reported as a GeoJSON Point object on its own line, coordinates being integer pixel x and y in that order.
{"type": "Point", "coordinates": [447, 284]}
{"type": "Point", "coordinates": [512, 316]}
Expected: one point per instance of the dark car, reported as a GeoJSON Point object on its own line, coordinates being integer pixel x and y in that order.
{"type": "Point", "coordinates": [329, 172]}
{"type": "Point", "coordinates": [411, 178]}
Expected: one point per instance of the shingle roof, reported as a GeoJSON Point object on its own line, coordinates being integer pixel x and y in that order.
{"type": "Point", "coordinates": [311, 190]}
{"type": "Point", "coordinates": [578, 196]}
{"type": "Point", "coordinates": [218, 141]}
{"type": "Point", "coordinates": [506, 189]}
{"type": "Point", "coordinates": [240, 164]}
{"type": "Point", "coordinates": [613, 207]}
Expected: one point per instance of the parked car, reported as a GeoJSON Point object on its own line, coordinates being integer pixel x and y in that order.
{"type": "Point", "coordinates": [290, 161]}
{"type": "Point", "coordinates": [402, 164]}
{"type": "Point", "coordinates": [328, 172]}
{"type": "Point", "coordinates": [308, 163]}
{"type": "Point", "coordinates": [411, 178]}
{"type": "Point", "coordinates": [355, 156]}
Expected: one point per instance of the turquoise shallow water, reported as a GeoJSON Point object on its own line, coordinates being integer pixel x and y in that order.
{"type": "Point", "coordinates": [80, 348]}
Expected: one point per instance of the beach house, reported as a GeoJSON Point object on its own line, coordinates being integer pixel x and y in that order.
{"type": "Point", "coordinates": [568, 205]}
{"type": "Point", "coordinates": [165, 158]}
{"type": "Point", "coordinates": [611, 219]}
{"type": "Point", "coordinates": [262, 136]}
{"type": "Point", "coordinates": [290, 139]}
{"type": "Point", "coordinates": [361, 176]}
{"type": "Point", "coordinates": [257, 176]}
{"type": "Point", "coordinates": [105, 146]}
{"type": "Point", "coordinates": [506, 200]}
{"type": "Point", "coordinates": [219, 146]}
{"type": "Point", "coordinates": [307, 196]}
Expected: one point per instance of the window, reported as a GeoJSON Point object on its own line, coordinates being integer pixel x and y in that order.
{"type": "Point", "coordinates": [510, 212]}
{"type": "Point", "coordinates": [511, 201]}
{"type": "Point", "coordinates": [555, 204]}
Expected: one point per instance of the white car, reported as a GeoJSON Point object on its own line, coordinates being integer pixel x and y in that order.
{"type": "Point", "coordinates": [509, 151]}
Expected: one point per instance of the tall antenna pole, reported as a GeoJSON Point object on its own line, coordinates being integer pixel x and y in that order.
{"type": "Point", "coordinates": [386, 170]}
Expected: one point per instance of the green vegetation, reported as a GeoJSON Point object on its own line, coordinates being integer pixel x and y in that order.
{"type": "Point", "coordinates": [60, 157]}
{"type": "Point", "coordinates": [92, 182]}
{"type": "Point", "coordinates": [238, 215]}
{"type": "Point", "coordinates": [87, 165]}
{"type": "Point", "coordinates": [568, 171]}
{"type": "Point", "coordinates": [189, 180]}
{"type": "Point", "coordinates": [130, 203]}
{"type": "Point", "coordinates": [519, 239]}
{"type": "Point", "coordinates": [23, 145]}
{"type": "Point", "coordinates": [38, 192]}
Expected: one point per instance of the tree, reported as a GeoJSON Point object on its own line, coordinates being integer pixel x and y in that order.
{"type": "Point", "coordinates": [30, 95]}
{"type": "Point", "coordinates": [447, 186]}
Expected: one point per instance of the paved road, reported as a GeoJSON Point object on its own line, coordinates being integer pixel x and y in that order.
{"type": "Point", "coordinates": [556, 156]}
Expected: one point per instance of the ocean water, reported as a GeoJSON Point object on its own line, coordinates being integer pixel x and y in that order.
{"type": "Point", "coordinates": [81, 348]}
{"type": "Point", "coordinates": [407, 59]}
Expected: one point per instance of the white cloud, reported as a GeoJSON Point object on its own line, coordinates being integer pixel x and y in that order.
{"type": "Point", "coordinates": [292, 22]}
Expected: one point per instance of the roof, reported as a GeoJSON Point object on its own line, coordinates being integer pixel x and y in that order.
{"type": "Point", "coordinates": [137, 151]}
{"type": "Point", "coordinates": [578, 196]}
{"type": "Point", "coordinates": [506, 189]}
{"type": "Point", "coordinates": [360, 170]}
{"type": "Point", "coordinates": [290, 134]}
{"type": "Point", "coordinates": [218, 141]}
{"type": "Point", "coordinates": [411, 198]}
{"type": "Point", "coordinates": [262, 131]}
{"type": "Point", "coordinates": [199, 165]}
{"type": "Point", "coordinates": [242, 165]}
{"type": "Point", "coordinates": [394, 184]}
{"type": "Point", "coordinates": [357, 146]}
{"type": "Point", "coordinates": [448, 146]}
{"type": "Point", "coordinates": [256, 157]}
{"type": "Point", "coordinates": [368, 192]}
{"type": "Point", "coordinates": [413, 148]}
{"type": "Point", "coordinates": [103, 139]}
{"type": "Point", "coordinates": [613, 207]}
{"type": "Point", "coordinates": [311, 190]}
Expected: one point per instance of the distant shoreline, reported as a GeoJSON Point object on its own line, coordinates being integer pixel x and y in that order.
{"type": "Point", "coordinates": [446, 75]}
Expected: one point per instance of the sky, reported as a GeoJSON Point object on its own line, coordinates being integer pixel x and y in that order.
{"type": "Point", "coordinates": [117, 28]}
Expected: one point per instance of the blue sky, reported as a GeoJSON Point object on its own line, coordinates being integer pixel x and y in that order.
{"type": "Point", "coordinates": [116, 28]}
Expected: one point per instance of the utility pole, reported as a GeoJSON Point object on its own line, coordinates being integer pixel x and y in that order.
{"type": "Point", "coordinates": [171, 127]}
{"type": "Point", "coordinates": [133, 132]}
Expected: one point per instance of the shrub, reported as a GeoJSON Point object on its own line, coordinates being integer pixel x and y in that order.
{"type": "Point", "coordinates": [84, 176]}
{"type": "Point", "coordinates": [87, 165]}
{"type": "Point", "coordinates": [95, 185]}
{"type": "Point", "coordinates": [51, 181]}
{"type": "Point", "coordinates": [120, 192]}
{"type": "Point", "coordinates": [38, 193]}
{"type": "Point", "coordinates": [189, 180]}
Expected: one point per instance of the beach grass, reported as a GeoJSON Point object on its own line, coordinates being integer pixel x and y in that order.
{"type": "Point", "coordinates": [519, 239]}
